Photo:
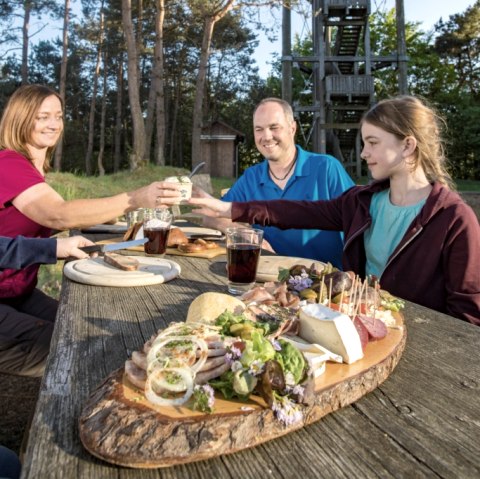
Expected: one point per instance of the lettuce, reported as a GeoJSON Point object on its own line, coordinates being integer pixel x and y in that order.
{"type": "Point", "coordinates": [291, 360]}
{"type": "Point", "coordinates": [257, 349]}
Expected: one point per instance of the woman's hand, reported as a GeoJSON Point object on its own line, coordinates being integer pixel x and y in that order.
{"type": "Point", "coordinates": [67, 247]}
{"type": "Point", "coordinates": [156, 195]}
{"type": "Point", "coordinates": [212, 207]}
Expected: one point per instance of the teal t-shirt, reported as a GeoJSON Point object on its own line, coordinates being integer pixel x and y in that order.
{"type": "Point", "coordinates": [389, 224]}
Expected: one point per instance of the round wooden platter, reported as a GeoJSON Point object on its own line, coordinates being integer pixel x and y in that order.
{"type": "Point", "coordinates": [119, 426]}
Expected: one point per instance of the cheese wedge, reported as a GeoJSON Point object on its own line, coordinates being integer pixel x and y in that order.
{"type": "Point", "coordinates": [332, 330]}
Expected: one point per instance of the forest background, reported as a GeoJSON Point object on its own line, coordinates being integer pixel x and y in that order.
{"type": "Point", "coordinates": [141, 77]}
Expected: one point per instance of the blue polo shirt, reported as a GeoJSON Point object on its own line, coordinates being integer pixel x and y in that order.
{"type": "Point", "coordinates": [316, 177]}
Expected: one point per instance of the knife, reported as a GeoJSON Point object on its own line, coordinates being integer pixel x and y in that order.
{"type": "Point", "coordinates": [103, 248]}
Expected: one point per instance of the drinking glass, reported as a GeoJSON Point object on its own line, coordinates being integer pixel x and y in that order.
{"type": "Point", "coordinates": [156, 227]}
{"type": "Point", "coordinates": [133, 217]}
{"type": "Point", "coordinates": [243, 254]}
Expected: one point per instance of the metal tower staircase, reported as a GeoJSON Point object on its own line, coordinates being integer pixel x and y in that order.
{"type": "Point", "coordinates": [342, 85]}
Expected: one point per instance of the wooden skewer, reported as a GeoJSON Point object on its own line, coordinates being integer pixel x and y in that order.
{"type": "Point", "coordinates": [330, 292]}
{"type": "Point", "coordinates": [341, 297]}
{"type": "Point", "coordinates": [359, 301]}
{"type": "Point", "coordinates": [321, 289]}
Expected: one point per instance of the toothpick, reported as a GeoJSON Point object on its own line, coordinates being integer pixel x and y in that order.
{"type": "Point", "coordinates": [341, 297]}
{"type": "Point", "coordinates": [321, 289]}
{"type": "Point", "coordinates": [330, 292]}
{"type": "Point", "coordinates": [357, 306]}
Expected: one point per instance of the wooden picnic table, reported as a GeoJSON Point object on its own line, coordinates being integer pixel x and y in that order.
{"type": "Point", "coordinates": [423, 421]}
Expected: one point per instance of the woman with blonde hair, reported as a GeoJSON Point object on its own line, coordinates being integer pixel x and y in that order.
{"type": "Point", "coordinates": [30, 128]}
{"type": "Point", "coordinates": [407, 228]}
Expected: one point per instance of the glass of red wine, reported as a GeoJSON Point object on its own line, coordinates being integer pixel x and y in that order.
{"type": "Point", "coordinates": [156, 227]}
{"type": "Point", "coordinates": [243, 254]}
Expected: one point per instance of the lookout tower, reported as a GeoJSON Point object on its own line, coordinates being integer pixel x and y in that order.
{"type": "Point", "coordinates": [338, 76]}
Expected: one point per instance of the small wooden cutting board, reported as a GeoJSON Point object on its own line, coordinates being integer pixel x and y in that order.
{"type": "Point", "coordinates": [269, 266]}
{"type": "Point", "coordinates": [208, 253]}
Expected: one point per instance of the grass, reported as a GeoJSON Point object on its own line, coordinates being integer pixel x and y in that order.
{"type": "Point", "coordinates": [72, 186]}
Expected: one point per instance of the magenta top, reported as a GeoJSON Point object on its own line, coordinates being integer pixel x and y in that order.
{"type": "Point", "coordinates": [17, 175]}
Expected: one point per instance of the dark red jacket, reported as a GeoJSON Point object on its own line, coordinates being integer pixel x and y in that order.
{"type": "Point", "coordinates": [436, 264]}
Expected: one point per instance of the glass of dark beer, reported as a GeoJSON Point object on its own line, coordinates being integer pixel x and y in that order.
{"type": "Point", "coordinates": [243, 254]}
{"type": "Point", "coordinates": [156, 227]}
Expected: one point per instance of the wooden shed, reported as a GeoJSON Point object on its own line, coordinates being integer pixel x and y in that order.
{"type": "Point", "coordinates": [220, 149]}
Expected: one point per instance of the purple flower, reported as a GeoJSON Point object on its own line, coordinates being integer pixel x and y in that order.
{"type": "Point", "coordinates": [256, 367]}
{"type": "Point", "coordinates": [300, 282]}
{"type": "Point", "coordinates": [286, 410]}
{"type": "Point", "coordinates": [203, 398]}
{"type": "Point", "coordinates": [233, 353]}
{"type": "Point", "coordinates": [276, 345]}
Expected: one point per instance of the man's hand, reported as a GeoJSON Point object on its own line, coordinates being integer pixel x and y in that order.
{"type": "Point", "coordinates": [67, 247]}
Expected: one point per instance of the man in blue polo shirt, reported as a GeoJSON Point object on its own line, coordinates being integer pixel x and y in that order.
{"type": "Point", "coordinates": [290, 173]}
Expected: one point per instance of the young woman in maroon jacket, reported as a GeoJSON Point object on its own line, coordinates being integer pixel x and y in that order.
{"type": "Point", "coordinates": [407, 227]}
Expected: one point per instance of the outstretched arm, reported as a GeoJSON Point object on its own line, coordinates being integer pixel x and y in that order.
{"type": "Point", "coordinates": [212, 207]}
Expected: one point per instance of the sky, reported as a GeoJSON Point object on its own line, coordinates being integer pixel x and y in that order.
{"type": "Point", "coordinates": [428, 12]}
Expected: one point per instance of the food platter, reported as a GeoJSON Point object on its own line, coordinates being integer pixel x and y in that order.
{"type": "Point", "coordinates": [119, 426]}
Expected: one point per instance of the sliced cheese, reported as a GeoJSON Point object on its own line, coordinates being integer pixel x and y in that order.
{"type": "Point", "coordinates": [332, 330]}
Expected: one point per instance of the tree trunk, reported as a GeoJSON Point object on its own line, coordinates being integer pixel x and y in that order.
{"type": "Point", "coordinates": [137, 156]}
{"type": "Point", "coordinates": [173, 128]}
{"type": "Point", "coordinates": [91, 118]}
{"type": "Point", "coordinates": [118, 118]}
{"type": "Point", "coordinates": [101, 168]}
{"type": "Point", "coordinates": [159, 84]}
{"type": "Point", "coordinates": [57, 162]}
{"type": "Point", "coordinates": [25, 28]}
{"type": "Point", "coordinates": [210, 19]}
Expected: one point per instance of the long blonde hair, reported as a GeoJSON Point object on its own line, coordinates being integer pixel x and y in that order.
{"type": "Point", "coordinates": [405, 116]}
{"type": "Point", "coordinates": [18, 120]}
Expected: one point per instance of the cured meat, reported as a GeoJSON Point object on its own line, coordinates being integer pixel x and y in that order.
{"type": "Point", "coordinates": [119, 261]}
{"type": "Point", "coordinates": [362, 332]}
{"type": "Point", "coordinates": [376, 327]}
{"type": "Point", "coordinates": [135, 375]}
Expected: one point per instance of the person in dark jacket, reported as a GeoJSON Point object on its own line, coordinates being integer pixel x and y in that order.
{"type": "Point", "coordinates": [407, 228]}
{"type": "Point", "coordinates": [25, 341]}
{"type": "Point", "coordinates": [20, 252]}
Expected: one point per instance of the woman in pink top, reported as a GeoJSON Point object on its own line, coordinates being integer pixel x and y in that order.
{"type": "Point", "coordinates": [30, 128]}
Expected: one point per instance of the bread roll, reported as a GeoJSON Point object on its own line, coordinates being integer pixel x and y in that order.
{"type": "Point", "coordinates": [176, 237]}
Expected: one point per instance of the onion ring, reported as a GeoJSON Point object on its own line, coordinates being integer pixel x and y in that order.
{"type": "Point", "coordinates": [154, 398]}
{"type": "Point", "coordinates": [188, 358]}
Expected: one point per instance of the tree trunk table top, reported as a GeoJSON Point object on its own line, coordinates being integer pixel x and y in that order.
{"type": "Point", "coordinates": [420, 422]}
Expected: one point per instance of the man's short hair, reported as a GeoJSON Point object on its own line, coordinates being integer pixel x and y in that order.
{"type": "Point", "coordinates": [287, 109]}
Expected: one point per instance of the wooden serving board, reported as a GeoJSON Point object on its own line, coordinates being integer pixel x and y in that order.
{"type": "Point", "coordinates": [208, 253]}
{"type": "Point", "coordinates": [268, 266]}
{"type": "Point", "coordinates": [119, 426]}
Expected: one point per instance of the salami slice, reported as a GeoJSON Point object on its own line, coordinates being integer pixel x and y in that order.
{"type": "Point", "coordinates": [362, 332]}
{"type": "Point", "coordinates": [376, 327]}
